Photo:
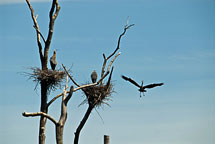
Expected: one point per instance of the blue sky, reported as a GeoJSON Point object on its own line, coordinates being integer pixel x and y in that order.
{"type": "Point", "coordinates": [172, 42]}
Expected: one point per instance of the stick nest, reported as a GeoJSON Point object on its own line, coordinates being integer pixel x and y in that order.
{"type": "Point", "coordinates": [53, 79]}
{"type": "Point", "coordinates": [98, 95]}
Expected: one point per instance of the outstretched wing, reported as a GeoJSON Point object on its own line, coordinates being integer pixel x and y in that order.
{"type": "Point", "coordinates": [130, 80]}
{"type": "Point", "coordinates": [153, 85]}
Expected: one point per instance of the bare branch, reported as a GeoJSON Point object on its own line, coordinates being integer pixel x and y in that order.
{"type": "Point", "coordinates": [70, 76]}
{"type": "Point", "coordinates": [57, 10]}
{"type": "Point", "coordinates": [52, 18]}
{"type": "Point", "coordinates": [117, 48]}
{"type": "Point", "coordinates": [63, 115]}
{"type": "Point", "coordinates": [51, 101]}
{"type": "Point", "coordinates": [104, 65]}
{"type": "Point", "coordinates": [113, 61]}
{"type": "Point", "coordinates": [56, 97]}
{"type": "Point", "coordinates": [109, 79]}
{"type": "Point", "coordinates": [40, 34]}
{"type": "Point", "coordinates": [69, 95]}
{"type": "Point", "coordinates": [118, 44]}
{"type": "Point", "coordinates": [25, 114]}
{"type": "Point", "coordinates": [34, 18]}
{"type": "Point", "coordinates": [104, 56]}
{"type": "Point", "coordinates": [66, 86]}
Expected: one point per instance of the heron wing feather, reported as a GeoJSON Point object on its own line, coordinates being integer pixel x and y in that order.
{"type": "Point", "coordinates": [153, 85]}
{"type": "Point", "coordinates": [130, 80]}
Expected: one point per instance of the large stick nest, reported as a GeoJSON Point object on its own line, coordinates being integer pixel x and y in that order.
{"type": "Point", "coordinates": [98, 95]}
{"type": "Point", "coordinates": [53, 79]}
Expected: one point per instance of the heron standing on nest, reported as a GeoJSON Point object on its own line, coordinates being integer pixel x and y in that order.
{"type": "Point", "coordinates": [94, 76]}
{"type": "Point", "coordinates": [53, 60]}
{"type": "Point", "coordinates": [141, 87]}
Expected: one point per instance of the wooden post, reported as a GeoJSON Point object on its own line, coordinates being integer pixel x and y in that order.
{"type": "Point", "coordinates": [106, 139]}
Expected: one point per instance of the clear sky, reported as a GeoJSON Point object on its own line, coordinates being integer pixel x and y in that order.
{"type": "Point", "coordinates": [173, 41]}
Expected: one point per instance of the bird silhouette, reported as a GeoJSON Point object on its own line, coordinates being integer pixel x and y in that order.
{"type": "Point", "coordinates": [53, 60]}
{"type": "Point", "coordinates": [94, 76]}
{"type": "Point", "coordinates": [141, 87]}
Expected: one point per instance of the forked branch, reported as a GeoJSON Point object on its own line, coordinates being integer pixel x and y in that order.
{"type": "Point", "coordinates": [117, 48]}
{"type": "Point", "coordinates": [52, 16]}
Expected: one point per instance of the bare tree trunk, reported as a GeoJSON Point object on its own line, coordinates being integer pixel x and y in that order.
{"type": "Point", "coordinates": [81, 125]}
{"type": "Point", "coordinates": [62, 121]}
{"type": "Point", "coordinates": [59, 133]}
{"type": "Point", "coordinates": [44, 109]}
{"type": "Point", "coordinates": [63, 116]}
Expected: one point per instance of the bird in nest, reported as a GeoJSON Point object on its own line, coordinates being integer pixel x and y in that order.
{"type": "Point", "coordinates": [94, 76]}
{"type": "Point", "coordinates": [141, 87]}
{"type": "Point", "coordinates": [53, 61]}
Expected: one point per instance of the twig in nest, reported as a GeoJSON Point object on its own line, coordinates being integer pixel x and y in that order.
{"type": "Point", "coordinates": [97, 95]}
{"type": "Point", "coordinates": [53, 79]}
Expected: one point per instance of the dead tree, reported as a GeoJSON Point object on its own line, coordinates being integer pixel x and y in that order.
{"type": "Point", "coordinates": [43, 52]}
{"type": "Point", "coordinates": [66, 96]}
{"type": "Point", "coordinates": [59, 125]}
{"type": "Point", "coordinates": [97, 93]}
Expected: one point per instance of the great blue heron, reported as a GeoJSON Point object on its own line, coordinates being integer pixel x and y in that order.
{"type": "Point", "coordinates": [141, 87]}
{"type": "Point", "coordinates": [53, 60]}
{"type": "Point", "coordinates": [94, 76]}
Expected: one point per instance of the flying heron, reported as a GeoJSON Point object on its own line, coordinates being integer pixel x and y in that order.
{"type": "Point", "coordinates": [53, 60]}
{"type": "Point", "coordinates": [94, 76]}
{"type": "Point", "coordinates": [141, 87]}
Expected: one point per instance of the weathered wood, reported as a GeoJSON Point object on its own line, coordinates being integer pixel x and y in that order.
{"type": "Point", "coordinates": [106, 139]}
{"type": "Point", "coordinates": [44, 60]}
{"type": "Point", "coordinates": [59, 133]}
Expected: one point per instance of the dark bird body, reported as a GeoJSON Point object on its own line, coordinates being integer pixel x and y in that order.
{"type": "Point", "coordinates": [53, 61]}
{"type": "Point", "coordinates": [94, 76]}
{"type": "Point", "coordinates": [141, 87]}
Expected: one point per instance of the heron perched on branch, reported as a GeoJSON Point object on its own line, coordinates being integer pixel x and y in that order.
{"type": "Point", "coordinates": [141, 87]}
{"type": "Point", "coordinates": [53, 60]}
{"type": "Point", "coordinates": [94, 76]}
